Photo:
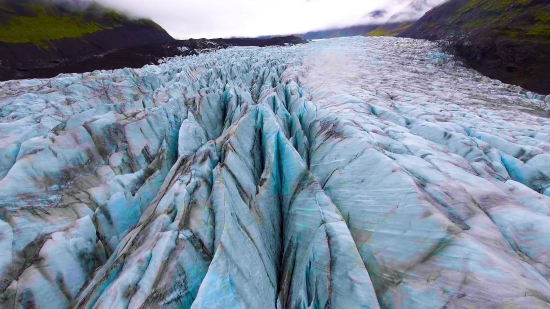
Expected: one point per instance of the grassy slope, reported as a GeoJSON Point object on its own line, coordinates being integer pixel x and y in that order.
{"type": "Point", "coordinates": [516, 19]}
{"type": "Point", "coordinates": [390, 29]}
{"type": "Point", "coordinates": [44, 27]}
{"type": "Point", "coordinates": [30, 22]}
{"type": "Point", "coordinates": [513, 17]}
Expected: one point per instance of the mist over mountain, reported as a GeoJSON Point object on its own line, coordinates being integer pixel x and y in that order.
{"type": "Point", "coordinates": [414, 10]}
{"type": "Point", "coordinates": [379, 22]}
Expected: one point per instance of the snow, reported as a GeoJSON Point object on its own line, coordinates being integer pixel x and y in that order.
{"type": "Point", "coordinates": [343, 173]}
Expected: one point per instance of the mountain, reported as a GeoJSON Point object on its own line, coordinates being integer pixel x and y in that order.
{"type": "Point", "coordinates": [403, 19]}
{"type": "Point", "coordinates": [507, 40]}
{"type": "Point", "coordinates": [38, 34]}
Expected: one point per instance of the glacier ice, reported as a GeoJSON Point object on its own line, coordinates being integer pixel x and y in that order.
{"type": "Point", "coordinates": [344, 173]}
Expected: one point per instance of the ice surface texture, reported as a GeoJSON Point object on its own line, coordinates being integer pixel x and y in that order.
{"type": "Point", "coordinates": [346, 173]}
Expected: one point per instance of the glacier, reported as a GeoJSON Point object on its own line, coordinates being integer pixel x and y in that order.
{"type": "Point", "coordinates": [344, 173]}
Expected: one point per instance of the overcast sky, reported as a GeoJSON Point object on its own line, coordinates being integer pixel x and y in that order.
{"type": "Point", "coordinates": [226, 18]}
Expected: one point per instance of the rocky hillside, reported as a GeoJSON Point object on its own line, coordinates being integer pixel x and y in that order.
{"type": "Point", "coordinates": [505, 39]}
{"type": "Point", "coordinates": [36, 34]}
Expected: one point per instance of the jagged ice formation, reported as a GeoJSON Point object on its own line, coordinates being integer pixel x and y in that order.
{"type": "Point", "coordinates": [346, 173]}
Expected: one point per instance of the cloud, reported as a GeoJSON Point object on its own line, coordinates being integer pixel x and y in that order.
{"type": "Point", "coordinates": [227, 18]}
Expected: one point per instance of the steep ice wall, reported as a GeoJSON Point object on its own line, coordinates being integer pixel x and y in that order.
{"type": "Point", "coordinates": [349, 173]}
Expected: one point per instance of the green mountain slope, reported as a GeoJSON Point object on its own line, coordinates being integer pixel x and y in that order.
{"type": "Point", "coordinates": [37, 33]}
{"type": "Point", "coordinates": [519, 19]}
{"type": "Point", "coordinates": [505, 39]}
